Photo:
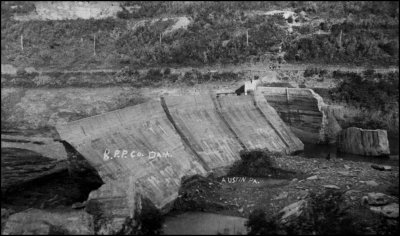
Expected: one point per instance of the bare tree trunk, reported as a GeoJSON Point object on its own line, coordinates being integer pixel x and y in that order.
{"type": "Point", "coordinates": [22, 42]}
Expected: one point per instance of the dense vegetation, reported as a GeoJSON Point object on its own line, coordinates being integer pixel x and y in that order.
{"type": "Point", "coordinates": [325, 213]}
{"type": "Point", "coordinates": [357, 32]}
{"type": "Point", "coordinates": [375, 95]}
{"type": "Point", "coordinates": [370, 90]}
{"type": "Point", "coordinates": [125, 77]}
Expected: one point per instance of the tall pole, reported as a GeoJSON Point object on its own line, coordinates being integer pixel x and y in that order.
{"type": "Point", "coordinates": [22, 42]}
{"type": "Point", "coordinates": [94, 44]}
{"type": "Point", "coordinates": [247, 37]}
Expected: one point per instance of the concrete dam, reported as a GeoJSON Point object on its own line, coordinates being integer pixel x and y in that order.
{"type": "Point", "coordinates": [304, 111]}
{"type": "Point", "coordinates": [146, 149]}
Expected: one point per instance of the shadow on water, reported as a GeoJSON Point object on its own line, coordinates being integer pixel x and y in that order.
{"type": "Point", "coordinates": [322, 150]}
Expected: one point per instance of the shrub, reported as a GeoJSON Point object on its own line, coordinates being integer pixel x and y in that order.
{"type": "Point", "coordinates": [365, 39]}
{"type": "Point", "coordinates": [278, 84]}
{"type": "Point", "coordinates": [314, 71]}
{"type": "Point", "coordinates": [258, 224]}
{"type": "Point", "coordinates": [153, 75]}
{"type": "Point", "coordinates": [365, 122]}
{"type": "Point", "coordinates": [124, 14]}
{"type": "Point", "coordinates": [259, 163]}
{"type": "Point", "coordinates": [369, 73]}
{"type": "Point", "coordinates": [173, 77]}
{"type": "Point", "coordinates": [167, 71]}
{"type": "Point", "coordinates": [327, 213]}
{"type": "Point", "coordinates": [302, 85]}
{"type": "Point", "coordinates": [382, 94]}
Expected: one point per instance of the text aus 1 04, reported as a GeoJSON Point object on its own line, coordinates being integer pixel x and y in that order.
{"type": "Point", "coordinates": [107, 155]}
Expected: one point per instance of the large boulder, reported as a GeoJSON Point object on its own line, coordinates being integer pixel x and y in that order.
{"type": "Point", "coordinates": [363, 142]}
{"type": "Point", "coordinates": [389, 211]}
{"type": "Point", "coordinates": [376, 199]}
{"type": "Point", "coordinates": [292, 211]}
{"type": "Point", "coordinates": [35, 221]}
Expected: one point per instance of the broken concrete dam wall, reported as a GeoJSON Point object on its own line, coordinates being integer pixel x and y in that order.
{"type": "Point", "coordinates": [146, 149]}
{"type": "Point", "coordinates": [304, 112]}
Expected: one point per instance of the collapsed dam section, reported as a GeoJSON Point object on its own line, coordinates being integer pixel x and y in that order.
{"type": "Point", "coordinates": [304, 111]}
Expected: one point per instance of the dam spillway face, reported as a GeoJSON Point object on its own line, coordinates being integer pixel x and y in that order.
{"type": "Point", "coordinates": [301, 109]}
{"type": "Point", "coordinates": [146, 149]}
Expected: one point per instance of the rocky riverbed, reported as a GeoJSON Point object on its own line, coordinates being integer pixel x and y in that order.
{"type": "Point", "coordinates": [230, 195]}
{"type": "Point", "coordinates": [240, 196]}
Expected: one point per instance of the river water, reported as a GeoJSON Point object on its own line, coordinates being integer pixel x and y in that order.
{"type": "Point", "coordinates": [202, 223]}
{"type": "Point", "coordinates": [322, 150]}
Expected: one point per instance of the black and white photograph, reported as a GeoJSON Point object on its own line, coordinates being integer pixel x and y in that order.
{"type": "Point", "coordinates": [199, 117]}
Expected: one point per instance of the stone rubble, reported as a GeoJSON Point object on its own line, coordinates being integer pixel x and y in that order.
{"type": "Point", "coordinates": [35, 221]}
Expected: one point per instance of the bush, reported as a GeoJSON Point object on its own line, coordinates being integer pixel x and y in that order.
{"type": "Point", "coordinates": [258, 224]}
{"type": "Point", "coordinates": [314, 71]}
{"type": "Point", "coordinates": [259, 163]}
{"type": "Point", "coordinates": [302, 85]}
{"type": "Point", "coordinates": [327, 213]}
{"type": "Point", "coordinates": [124, 14]}
{"type": "Point", "coordinates": [153, 76]}
{"type": "Point", "coordinates": [167, 71]}
{"type": "Point", "coordinates": [255, 163]}
{"type": "Point", "coordinates": [173, 77]}
{"type": "Point", "coordinates": [367, 123]}
{"type": "Point", "coordinates": [365, 92]}
{"type": "Point", "coordinates": [278, 84]}
{"type": "Point", "coordinates": [369, 73]}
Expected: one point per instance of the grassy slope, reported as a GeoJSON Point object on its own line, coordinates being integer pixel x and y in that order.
{"type": "Point", "coordinates": [369, 36]}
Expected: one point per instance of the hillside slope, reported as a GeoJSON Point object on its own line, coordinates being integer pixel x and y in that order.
{"type": "Point", "coordinates": [202, 33]}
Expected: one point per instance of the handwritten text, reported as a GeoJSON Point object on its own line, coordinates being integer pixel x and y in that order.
{"type": "Point", "coordinates": [107, 155]}
{"type": "Point", "coordinates": [232, 180]}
